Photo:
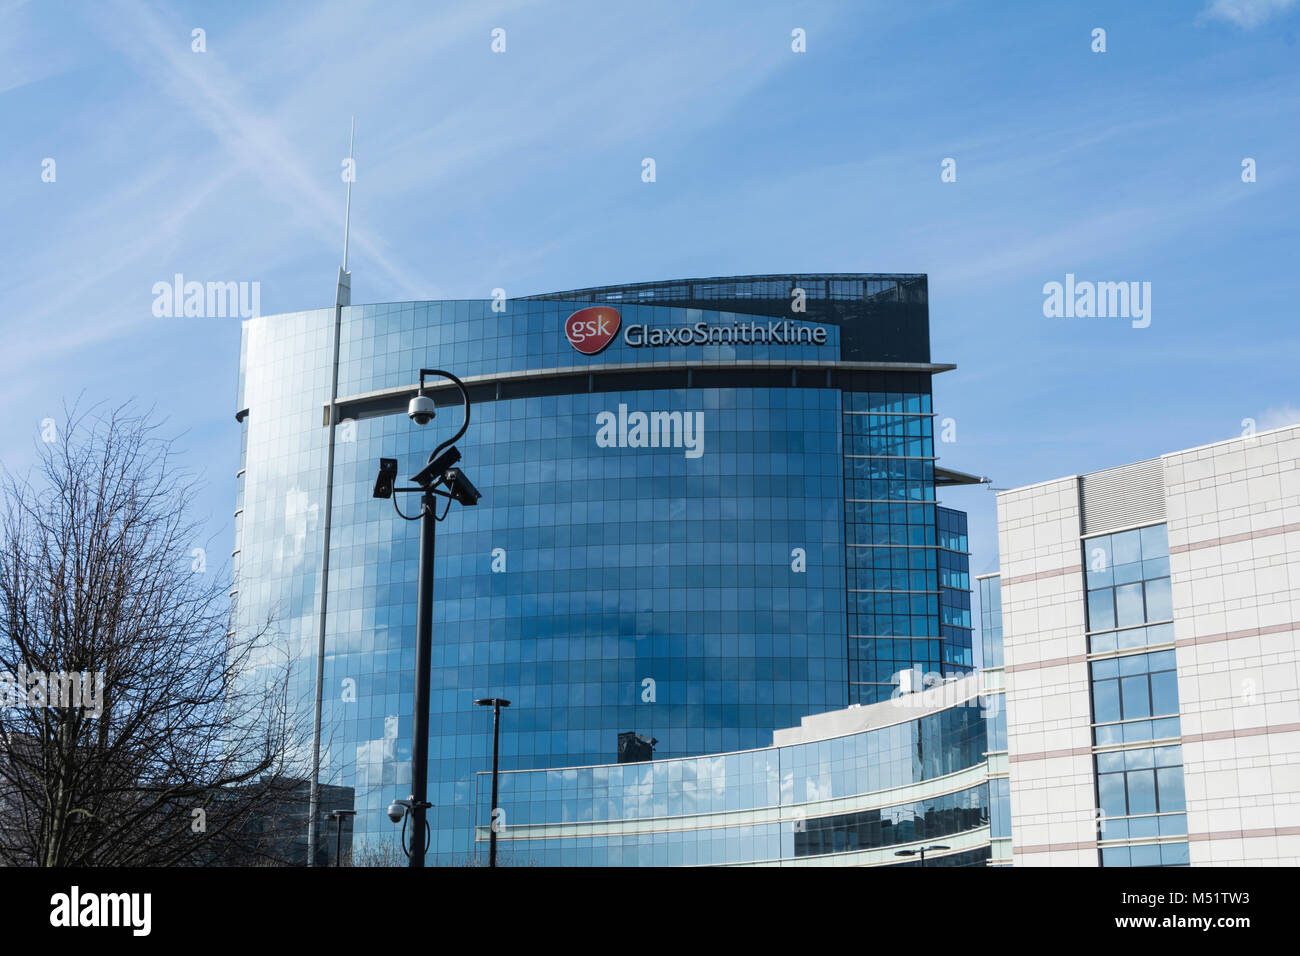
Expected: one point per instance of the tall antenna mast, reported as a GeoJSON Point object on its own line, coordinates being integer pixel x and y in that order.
{"type": "Point", "coordinates": [347, 213]}
{"type": "Point", "coordinates": [342, 298]}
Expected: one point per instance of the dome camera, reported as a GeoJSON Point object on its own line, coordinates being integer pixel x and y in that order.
{"type": "Point", "coordinates": [421, 410]}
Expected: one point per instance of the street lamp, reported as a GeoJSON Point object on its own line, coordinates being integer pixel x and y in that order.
{"type": "Point", "coordinates": [496, 703]}
{"type": "Point", "coordinates": [921, 851]}
{"type": "Point", "coordinates": [339, 816]}
{"type": "Point", "coordinates": [437, 479]}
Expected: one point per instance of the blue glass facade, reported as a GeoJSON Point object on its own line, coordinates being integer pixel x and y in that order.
{"type": "Point", "coordinates": [991, 621]}
{"type": "Point", "coordinates": [908, 562]}
{"type": "Point", "coordinates": [995, 712]}
{"type": "Point", "coordinates": [768, 563]}
{"type": "Point", "coordinates": [955, 625]}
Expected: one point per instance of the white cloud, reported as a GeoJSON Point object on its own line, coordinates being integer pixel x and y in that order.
{"type": "Point", "coordinates": [1246, 14]}
{"type": "Point", "coordinates": [1278, 417]}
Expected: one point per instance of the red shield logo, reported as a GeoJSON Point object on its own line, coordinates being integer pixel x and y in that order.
{"type": "Point", "coordinates": [591, 330]}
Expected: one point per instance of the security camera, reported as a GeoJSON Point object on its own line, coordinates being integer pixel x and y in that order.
{"type": "Point", "coordinates": [421, 410]}
{"type": "Point", "coordinates": [460, 487]}
{"type": "Point", "coordinates": [433, 473]}
{"type": "Point", "coordinates": [397, 810]}
{"type": "Point", "coordinates": [387, 475]}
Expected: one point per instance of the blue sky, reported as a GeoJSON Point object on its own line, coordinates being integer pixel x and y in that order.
{"type": "Point", "coordinates": [522, 170]}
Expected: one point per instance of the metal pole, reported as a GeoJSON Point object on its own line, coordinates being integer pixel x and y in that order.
{"type": "Point", "coordinates": [496, 740]}
{"type": "Point", "coordinates": [423, 652]}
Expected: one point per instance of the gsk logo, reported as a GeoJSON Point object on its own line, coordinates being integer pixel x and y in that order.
{"type": "Point", "coordinates": [591, 330]}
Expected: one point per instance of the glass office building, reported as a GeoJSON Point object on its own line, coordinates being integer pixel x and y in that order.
{"type": "Point", "coordinates": [710, 508]}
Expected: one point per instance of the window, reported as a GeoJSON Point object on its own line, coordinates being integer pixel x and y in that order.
{"type": "Point", "coordinates": [1153, 854]}
{"type": "Point", "coordinates": [1141, 781]}
{"type": "Point", "coordinates": [1129, 688]}
{"type": "Point", "coordinates": [1128, 578]}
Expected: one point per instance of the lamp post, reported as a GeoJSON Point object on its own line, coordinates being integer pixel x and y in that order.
{"type": "Point", "coordinates": [437, 479]}
{"type": "Point", "coordinates": [921, 851]}
{"type": "Point", "coordinates": [496, 703]}
{"type": "Point", "coordinates": [339, 816]}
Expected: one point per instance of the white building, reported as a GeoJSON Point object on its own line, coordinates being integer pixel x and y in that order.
{"type": "Point", "coordinates": [1149, 621]}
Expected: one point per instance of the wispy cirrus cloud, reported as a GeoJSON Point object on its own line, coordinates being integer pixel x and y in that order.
{"type": "Point", "coordinates": [22, 62]}
{"type": "Point", "coordinates": [256, 141]}
{"type": "Point", "coordinates": [522, 171]}
{"type": "Point", "coordinates": [1247, 14]}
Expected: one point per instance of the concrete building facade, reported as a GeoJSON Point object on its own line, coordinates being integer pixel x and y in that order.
{"type": "Point", "coordinates": [1149, 617]}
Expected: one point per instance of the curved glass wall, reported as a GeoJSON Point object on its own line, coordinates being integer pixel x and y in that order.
{"type": "Point", "coordinates": [870, 791]}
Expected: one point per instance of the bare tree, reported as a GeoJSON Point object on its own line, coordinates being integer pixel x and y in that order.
{"type": "Point", "coordinates": [136, 728]}
{"type": "Point", "coordinates": [375, 854]}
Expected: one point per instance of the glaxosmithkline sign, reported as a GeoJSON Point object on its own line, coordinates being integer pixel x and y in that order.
{"type": "Point", "coordinates": [591, 330]}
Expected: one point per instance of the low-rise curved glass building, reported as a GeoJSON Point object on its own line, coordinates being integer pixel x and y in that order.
{"type": "Point", "coordinates": [848, 788]}
{"type": "Point", "coordinates": [709, 510]}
